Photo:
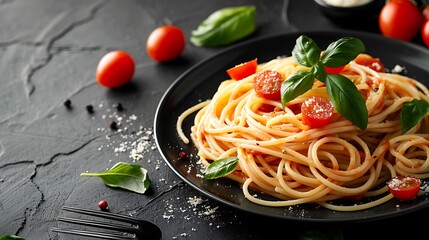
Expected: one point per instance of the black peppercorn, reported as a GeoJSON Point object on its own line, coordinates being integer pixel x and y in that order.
{"type": "Point", "coordinates": [89, 108]}
{"type": "Point", "coordinates": [67, 103]}
{"type": "Point", "coordinates": [113, 125]}
{"type": "Point", "coordinates": [119, 107]}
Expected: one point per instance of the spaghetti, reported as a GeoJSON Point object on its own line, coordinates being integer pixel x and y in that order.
{"type": "Point", "coordinates": [280, 156]}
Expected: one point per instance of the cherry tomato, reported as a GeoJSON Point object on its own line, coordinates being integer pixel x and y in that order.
{"type": "Point", "coordinates": [400, 19]}
{"type": "Point", "coordinates": [333, 70]}
{"type": "Point", "coordinates": [404, 188]}
{"type": "Point", "coordinates": [243, 70]}
{"type": "Point", "coordinates": [373, 63]}
{"type": "Point", "coordinates": [316, 111]}
{"type": "Point", "coordinates": [165, 43]}
{"type": "Point", "coordinates": [425, 33]}
{"type": "Point", "coordinates": [115, 69]}
{"type": "Point", "coordinates": [425, 12]}
{"type": "Point", "coordinates": [267, 84]}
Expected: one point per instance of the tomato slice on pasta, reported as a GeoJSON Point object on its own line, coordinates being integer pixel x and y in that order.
{"type": "Point", "coordinates": [243, 70]}
{"type": "Point", "coordinates": [267, 84]}
{"type": "Point", "coordinates": [404, 188]}
{"type": "Point", "coordinates": [334, 70]}
{"type": "Point", "coordinates": [316, 111]}
{"type": "Point", "coordinates": [371, 62]}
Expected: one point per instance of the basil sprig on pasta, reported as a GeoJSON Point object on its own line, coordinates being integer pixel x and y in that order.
{"type": "Point", "coordinates": [342, 92]}
{"type": "Point", "coordinates": [412, 113]}
{"type": "Point", "coordinates": [221, 168]}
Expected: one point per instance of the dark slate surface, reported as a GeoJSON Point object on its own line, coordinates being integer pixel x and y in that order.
{"type": "Point", "coordinates": [49, 50]}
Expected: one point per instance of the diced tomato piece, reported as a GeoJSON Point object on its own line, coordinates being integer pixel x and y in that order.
{"type": "Point", "coordinates": [266, 108]}
{"type": "Point", "coordinates": [316, 111]}
{"type": "Point", "coordinates": [296, 108]}
{"type": "Point", "coordinates": [267, 84]}
{"type": "Point", "coordinates": [333, 70]}
{"type": "Point", "coordinates": [404, 188]}
{"type": "Point", "coordinates": [373, 63]}
{"type": "Point", "coordinates": [243, 70]}
{"type": "Point", "coordinates": [253, 152]}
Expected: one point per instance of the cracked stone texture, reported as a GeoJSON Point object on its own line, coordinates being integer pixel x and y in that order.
{"type": "Point", "coordinates": [49, 50]}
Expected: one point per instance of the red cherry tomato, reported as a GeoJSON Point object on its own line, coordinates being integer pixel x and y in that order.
{"type": "Point", "coordinates": [115, 69]}
{"type": "Point", "coordinates": [400, 19]}
{"type": "Point", "coordinates": [333, 70]}
{"type": "Point", "coordinates": [165, 43]}
{"type": "Point", "coordinates": [426, 12]}
{"type": "Point", "coordinates": [267, 84]}
{"type": "Point", "coordinates": [316, 111]}
{"type": "Point", "coordinates": [404, 188]}
{"type": "Point", "coordinates": [425, 33]}
{"type": "Point", "coordinates": [243, 70]}
{"type": "Point", "coordinates": [373, 63]}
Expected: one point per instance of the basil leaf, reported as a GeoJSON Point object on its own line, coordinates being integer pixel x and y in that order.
{"type": "Point", "coordinates": [346, 99]}
{"type": "Point", "coordinates": [341, 52]}
{"type": "Point", "coordinates": [221, 167]}
{"type": "Point", "coordinates": [10, 237]}
{"type": "Point", "coordinates": [319, 72]}
{"type": "Point", "coordinates": [412, 113]}
{"type": "Point", "coordinates": [295, 85]}
{"type": "Point", "coordinates": [306, 52]}
{"type": "Point", "coordinates": [342, 92]}
{"type": "Point", "coordinates": [225, 26]}
{"type": "Point", "coordinates": [131, 177]}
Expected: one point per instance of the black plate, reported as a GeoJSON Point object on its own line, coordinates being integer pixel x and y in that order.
{"type": "Point", "coordinates": [200, 83]}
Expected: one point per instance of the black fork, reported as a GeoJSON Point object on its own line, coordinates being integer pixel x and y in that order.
{"type": "Point", "coordinates": [137, 228]}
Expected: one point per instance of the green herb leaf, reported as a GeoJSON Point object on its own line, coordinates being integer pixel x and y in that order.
{"type": "Point", "coordinates": [10, 237]}
{"type": "Point", "coordinates": [412, 113]}
{"type": "Point", "coordinates": [346, 99]}
{"type": "Point", "coordinates": [225, 26]}
{"type": "Point", "coordinates": [342, 92]}
{"type": "Point", "coordinates": [306, 52]}
{"type": "Point", "coordinates": [131, 177]}
{"type": "Point", "coordinates": [319, 71]}
{"type": "Point", "coordinates": [221, 167]}
{"type": "Point", "coordinates": [341, 52]}
{"type": "Point", "coordinates": [295, 85]}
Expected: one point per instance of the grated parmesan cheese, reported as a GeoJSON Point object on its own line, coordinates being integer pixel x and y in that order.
{"type": "Point", "coordinates": [397, 69]}
{"type": "Point", "coordinates": [137, 141]}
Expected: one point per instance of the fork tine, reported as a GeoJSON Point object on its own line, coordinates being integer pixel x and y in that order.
{"type": "Point", "coordinates": [113, 216]}
{"type": "Point", "coordinates": [93, 223]}
{"type": "Point", "coordinates": [110, 236]}
{"type": "Point", "coordinates": [140, 229]}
